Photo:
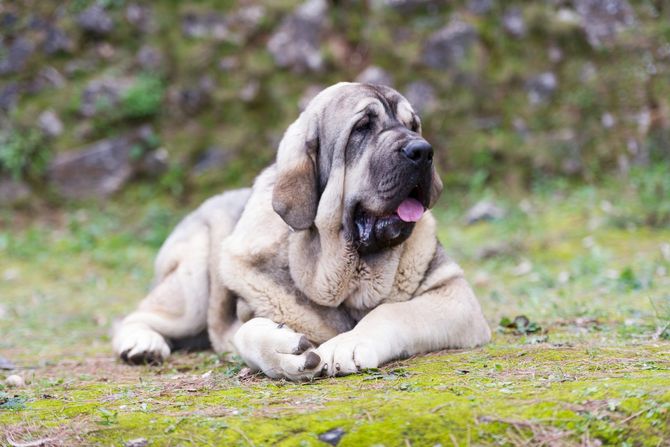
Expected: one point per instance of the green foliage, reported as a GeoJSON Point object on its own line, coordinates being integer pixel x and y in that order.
{"type": "Point", "coordinates": [143, 99]}
{"type": "Point", "coordinates": [23, 153]}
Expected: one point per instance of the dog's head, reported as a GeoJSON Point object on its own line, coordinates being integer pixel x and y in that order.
{"type": "Point", "coordinates": [363, 144]}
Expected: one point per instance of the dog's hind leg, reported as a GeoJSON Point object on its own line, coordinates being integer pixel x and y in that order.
{"type": "Point", "coordinates": [176, 308]}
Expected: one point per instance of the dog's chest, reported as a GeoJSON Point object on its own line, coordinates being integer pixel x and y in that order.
{"type": "Point", "coordinates": [375, 282]}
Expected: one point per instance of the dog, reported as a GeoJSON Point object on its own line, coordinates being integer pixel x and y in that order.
{"type": "Point", "coordinates": [328, 265]}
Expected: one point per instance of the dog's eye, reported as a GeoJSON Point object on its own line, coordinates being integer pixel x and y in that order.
{"type": "Point", "coordinates": [364, 124]}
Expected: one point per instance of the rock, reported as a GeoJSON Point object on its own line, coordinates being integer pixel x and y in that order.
{"type": "Point", "coordinates": [250, 91]}
{"type": "Point", "coordinates": [49, 123]}
{"type": "Point", "coordinates": [333, 436]}
{"type": "Point", "coordinates": [154, 163]}
{"type": "Point", "coordinates": [13, 192]}
{"type": "Point", "coordinates": [56, 41]}
{"type": "Point", "coordinates": [480, 7]}
{"type": "Point", "coordinates": [95, 20]}
{"type": "Point", "coordinates": [139, 442]}
{"type": "Point", "coordinates": [296, 43]}
{"type": "Point", "coordinates": [194, 98]}
{"type": "Point", "coordinates": [484, 210]}
{"type": "Point", "coordinates": [448, 46]}
{"type": "Point", "coordinates": [48, 77]}
{"type": "Point", "coordinates": [102, 168]}
{"type": "Point", "coordinates": [6, 364]}
{"type": "Point", "coordinates": [140, 17]}
{"type": "Point", "coordinates": [245, 21]}
{"type": "Point", "coordinates": [213, 158]}
{"type": "Point", "coordinates": [408, 5]}
{"type": "Point", "coordinates": [9, 96]}
{"type": "Point", "coordinates": [15, 381]}
{"type": "Point", "coordinates": [375, 75]}
{"type": "Point", "coordinates": [208, 25]}
{"type": "Point", "coordinates": [229, 63]}
{"type": "Point", "coordinates": [541, 87]}
{"type": "Point", "coordinates": [422, 96]}
{"type": "Point", "coordinates": [602, 20]}
{"type": "Point", "coordinates": [513, 22]}
{"type": "Point", "coordinates": [102, 95]}
{"type": "Point", "coordinates": [17, 56]}
{"type": "Point", "coordinates": [149, 58]}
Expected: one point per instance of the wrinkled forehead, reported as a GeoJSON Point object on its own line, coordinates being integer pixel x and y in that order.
{"type": "Point", "coordinates": [354, 98]}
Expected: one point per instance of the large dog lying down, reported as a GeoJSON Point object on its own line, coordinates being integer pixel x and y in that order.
{"type": "Point", "coordinates": [330, 264]}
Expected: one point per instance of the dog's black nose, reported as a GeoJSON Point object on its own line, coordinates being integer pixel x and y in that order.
{"type": "Point", "coordinates": [419, 151]}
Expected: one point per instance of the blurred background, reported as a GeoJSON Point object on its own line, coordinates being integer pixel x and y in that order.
{"type": "Point", "coordinates": [194, 95]}
{"type": "Point", "coordinates": [550, 119]}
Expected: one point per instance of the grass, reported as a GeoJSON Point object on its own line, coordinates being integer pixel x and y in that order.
{"type": "Point", "coordinates": [595, 367]}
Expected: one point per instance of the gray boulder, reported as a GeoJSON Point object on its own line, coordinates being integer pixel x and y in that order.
{"type": "Point", "coordinates": [448, 46]}
{"type": "Point", "coordinates": [95, 20]}
{"type": "Point", "coordinates": [484, 210]}
{"type": "Point", "coordinates": [422, 96]}
{"type": "Point", "coordinates": [103, 94]}
{"type": "Point", "coordinates": [49, 123]}
{"type": "Point", "coordinates": [513, 22]}
{"type": "Point", "coordinates": [17, 56]}
{"type": "Point", "coordinates": [56, 41]}
{"type": "Point", "coordinates": [541, 87]}
{"type": "Point", "coordinates": [375, 75]}
{"type": "Point", "coordinates": [602, 20]}
{"type": "Point", "coordinates": [296, 43]}
{"type": "Point", "coordinates": [102, 168]}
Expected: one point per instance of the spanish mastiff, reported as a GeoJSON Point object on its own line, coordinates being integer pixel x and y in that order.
{"type": "Point", "coordinates": [330, 264]}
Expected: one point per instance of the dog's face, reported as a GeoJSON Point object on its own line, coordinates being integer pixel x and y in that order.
{"type": "Point", "coordinates": [363, 142]}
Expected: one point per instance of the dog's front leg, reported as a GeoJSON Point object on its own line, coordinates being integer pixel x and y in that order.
{"type": "Point", "coordinates": [447, 316]}
{"type": "Point", "coordinates": [277, 350]}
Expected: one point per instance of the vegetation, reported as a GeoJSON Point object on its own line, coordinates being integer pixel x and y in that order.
{"type": "Point", "coordinates": [589, 364]}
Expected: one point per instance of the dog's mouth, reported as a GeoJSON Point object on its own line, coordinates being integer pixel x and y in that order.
{"type": "Point", "coordinates": [377, 231]}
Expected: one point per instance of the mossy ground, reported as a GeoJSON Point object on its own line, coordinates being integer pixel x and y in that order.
{"type": "Point", "coordinates": [597, 372]}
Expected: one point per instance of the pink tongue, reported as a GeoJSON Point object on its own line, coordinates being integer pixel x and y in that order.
{"type": "Point", "coordinates": [410, 210]}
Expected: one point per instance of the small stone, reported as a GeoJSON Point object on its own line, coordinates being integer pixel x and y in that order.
{"type": "Point", "coordinates": [422, 96]}
{"type": "Point", "coordinates": [296, 44]}
{"type": "Point", "coordinates": [602, 20]}
{"type": "Point", "coordinates": [17, 56]}
{"type": "Point", "coordinates": [50, 124]}
{"type": "Point", "coordinates": [140, 17]}
{"type": "Point", "coordinates": [541, 87]}
{"type": "Point", "coordinates": [333, 436]}
{"type": "Point", "coordinates": [15, 381]}
{"type": "Point", "coordinates": [139, 442]}
{"type": "Point", "coordinates": [95, 20]}
{"type": "Point", "coordinates": [250, 91]}
{"type": "Point", "coordinates": [149, 58]}
{"type": "Point", "coordinates": [6, 363]}
{"type": "Point", "coordinates": [56, 41]}
{"type": "Point", "coordinates": [480, 7]}
{"type": "Point", "coordinates": [513, 22]}
{"type": "Point", "coordinates": [449, 45]}
{"type": "Point", "coordinates": [375, 75]}
{"type": "Point", "coordinates": [484, 210]}
{"type": "Point", "coordinates": [214, 158]}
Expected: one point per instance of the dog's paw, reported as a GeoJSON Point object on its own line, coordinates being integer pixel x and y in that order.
{"type": "Point", "coordinates": [277, 350]}
{"type": "Point", "coordinates": [345, 354]}
{"type": "Point", "coordinates": [140, 345]}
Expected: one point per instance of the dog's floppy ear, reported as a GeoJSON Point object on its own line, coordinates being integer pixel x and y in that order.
{"type": "Point", "coordinates": [295, 193]}
{"type": "Point", "coordinates": [435, 188]}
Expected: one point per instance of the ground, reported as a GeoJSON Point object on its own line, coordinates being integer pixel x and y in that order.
{"type": "Point", "coordinates": [588, 266]}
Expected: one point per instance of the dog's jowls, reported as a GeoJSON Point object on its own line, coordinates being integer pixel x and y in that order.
{"type": "Point", "coordinates": [328, 265]}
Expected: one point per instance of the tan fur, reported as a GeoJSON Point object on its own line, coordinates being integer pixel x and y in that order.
{"type": "Point", "coordinates": [286, 259]}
